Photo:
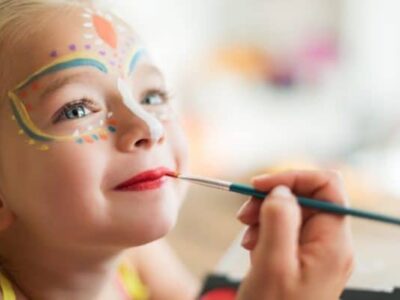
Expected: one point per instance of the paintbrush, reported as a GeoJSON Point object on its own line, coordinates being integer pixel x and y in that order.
{"type": "Point", "coordinates": [304, 202]}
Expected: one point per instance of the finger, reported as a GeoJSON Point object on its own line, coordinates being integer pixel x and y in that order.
{"type": "Point", "coordinates": [322, 185]}
{"type": "Point", "coordinates": [249, 212]}
{"type": "Point", "coordinates": [250, 237]}
{"type": "Point", "coordinates": [328, 229]}
{"type": "Point", "coordinates": [277, 244]}
{"type": "Point", "coordinates": [333, 234]}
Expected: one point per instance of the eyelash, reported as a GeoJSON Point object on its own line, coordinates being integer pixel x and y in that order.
{"type": "Point", "coordinates": [85, 102]}
{"type": "Point", "coordinates": [164, 95]}
{"type": "Point", "coordinates": [60, 115]}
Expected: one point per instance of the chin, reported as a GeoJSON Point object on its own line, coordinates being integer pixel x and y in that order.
{"type": "Point", "coordinates": [141, 220]}
{"type": "Point", "coordinates": [130, 235]}
{"type": "Point", "coordinates": [152, 226]}
{"type": "Point", "coordinates": [157, 230]}
{"type": "Point", "coordinates": [149, 232]}
{"type": "Point", "coordinates": [163, 217]}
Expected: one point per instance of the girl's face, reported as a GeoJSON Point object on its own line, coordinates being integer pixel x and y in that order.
{"type": "Point", "coordinates": [87, 111]}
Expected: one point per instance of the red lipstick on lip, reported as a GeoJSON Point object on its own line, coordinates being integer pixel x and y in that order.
{"type": "Point", "coordinates": [147, 180]}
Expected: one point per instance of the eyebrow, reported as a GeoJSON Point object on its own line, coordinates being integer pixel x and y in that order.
{"type": "Point", "coordinates": [68, 64]}
{"type": "Point", "coordinates": [60, 82]}
{"type": "Point", "coordinates": [151, 73]}
{"type": "Point", "coordinates": [153, 70]}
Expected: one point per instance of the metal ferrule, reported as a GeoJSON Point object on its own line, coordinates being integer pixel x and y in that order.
{"type": "Point", "coordinates": [219, 184]}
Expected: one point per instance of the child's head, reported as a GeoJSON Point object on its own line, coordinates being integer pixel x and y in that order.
{"type": "Point", "coordinates": [83, 109]}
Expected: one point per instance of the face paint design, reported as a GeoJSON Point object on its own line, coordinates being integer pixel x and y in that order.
{"type": "Point", "coordinates": [108, 49]}
{"type": "Point", "coordinates": [102, 25]}
{"type": "Point", "coordinates": [155, 127]}
{"type": "Point", "coordinates": [29, 116]}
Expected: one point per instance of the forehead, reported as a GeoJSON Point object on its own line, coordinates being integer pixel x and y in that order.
{"type": "Point", "coordinates": [81, 32]}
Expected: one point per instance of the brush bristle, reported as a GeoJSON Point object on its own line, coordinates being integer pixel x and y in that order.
{"type": "Point", "coordinates": [173, 174]}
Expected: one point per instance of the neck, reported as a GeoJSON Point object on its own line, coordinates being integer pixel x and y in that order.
{"type": "Point", "coordinates": [46, 272]}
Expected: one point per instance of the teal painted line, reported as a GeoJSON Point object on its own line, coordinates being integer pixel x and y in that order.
{"type": "Point", "coordinates": [74, 63]}
{"type": "Point", "coordinates": [135, 59]}
{"type": "Point", "coordinates": [26, 128]}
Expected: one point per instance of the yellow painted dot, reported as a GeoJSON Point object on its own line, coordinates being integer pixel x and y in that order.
{"type": "Point", "coordinates": [13, 118]}
{"type": "Point", "coordinates": [44, 148]}
{"type": "Point", "coordinates": [20, 132]}
{"type": "Point", "coordinates": [32, 142]}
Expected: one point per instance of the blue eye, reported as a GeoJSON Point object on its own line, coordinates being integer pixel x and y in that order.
{"type": "Point", "coordinates": [76, 110]}
{"type": "Point", "coordinates": [155, 98]}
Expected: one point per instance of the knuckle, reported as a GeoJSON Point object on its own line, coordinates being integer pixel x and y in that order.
{"type": "Point", "coordinates": [332, 253]}
{"type": "Point", "coordinates": [342, 260]}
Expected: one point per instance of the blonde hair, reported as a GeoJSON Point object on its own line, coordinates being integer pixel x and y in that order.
{"type": "Point", "coordinates": [16, 13]}
{"type": "Point", "coordinates": [16, 24]}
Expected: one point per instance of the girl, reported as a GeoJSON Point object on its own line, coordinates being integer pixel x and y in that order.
{"type": "Point", "coordinates": [87, 139]}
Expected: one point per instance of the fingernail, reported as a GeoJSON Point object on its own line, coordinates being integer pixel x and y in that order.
{"type": "Point", "coordinates": [242, 210]}
{"type": "Point", "coordinates": [260, 177]}
{"type": "Point", "coordinates": [246, 239]}
{"type": "Point", "coordinates": [282, 191]}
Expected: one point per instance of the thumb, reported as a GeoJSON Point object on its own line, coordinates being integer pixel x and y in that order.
{"type": "Point", "coordinates": [280, 220]}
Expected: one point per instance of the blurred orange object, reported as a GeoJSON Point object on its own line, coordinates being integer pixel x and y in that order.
{"type": "Point", "coordinates": [249, 61]}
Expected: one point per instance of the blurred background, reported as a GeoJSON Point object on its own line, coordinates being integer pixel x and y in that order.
{"type": "Point", "coordinates": [269, 85]}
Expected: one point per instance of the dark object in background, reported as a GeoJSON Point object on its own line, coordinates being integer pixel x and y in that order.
{"type": "Point", "coordinates": [219, 287]}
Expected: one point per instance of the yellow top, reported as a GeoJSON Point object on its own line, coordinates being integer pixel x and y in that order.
{"type": "Point", "coordinates": [129, 278]}
{"type": "Point", "coordinates": [6, 288]}
{"type": "Point", "coordinates": [132, 283]}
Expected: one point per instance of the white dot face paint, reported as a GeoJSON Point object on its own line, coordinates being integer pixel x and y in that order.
{"type": "Point", "coordinates": [155, 127]}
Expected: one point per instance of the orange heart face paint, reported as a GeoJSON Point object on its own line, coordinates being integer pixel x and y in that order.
{"type": "Point", "coordinates": [71, 98]}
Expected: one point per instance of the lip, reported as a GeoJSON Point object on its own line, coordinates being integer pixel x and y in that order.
{"type": "Point", "coordinates": [147, 180]}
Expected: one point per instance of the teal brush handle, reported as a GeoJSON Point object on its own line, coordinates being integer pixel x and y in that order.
{"type": "Point", "coordinates": [320, 205]}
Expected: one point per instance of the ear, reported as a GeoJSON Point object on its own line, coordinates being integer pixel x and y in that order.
{"type": "Point", "coordinates": [7, 216]}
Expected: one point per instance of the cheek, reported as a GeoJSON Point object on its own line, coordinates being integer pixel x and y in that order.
{"type": "Point", "coordinates": [63, 182]}
{"type": "Point", "coordinates": [178, 144]}
{"type": "Point", "coordinates": [74, 171]}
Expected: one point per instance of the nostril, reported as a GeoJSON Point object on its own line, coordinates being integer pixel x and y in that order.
{"type": "Point", "coordinates": [142, 142]}
{"type": "Point", "coordinates": [148, 142]}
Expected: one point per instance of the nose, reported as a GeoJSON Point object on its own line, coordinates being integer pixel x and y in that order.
{"type": "Point", "coordinates": [134, 133]}
{"type": "Point", "coordinates": [141, 128]}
